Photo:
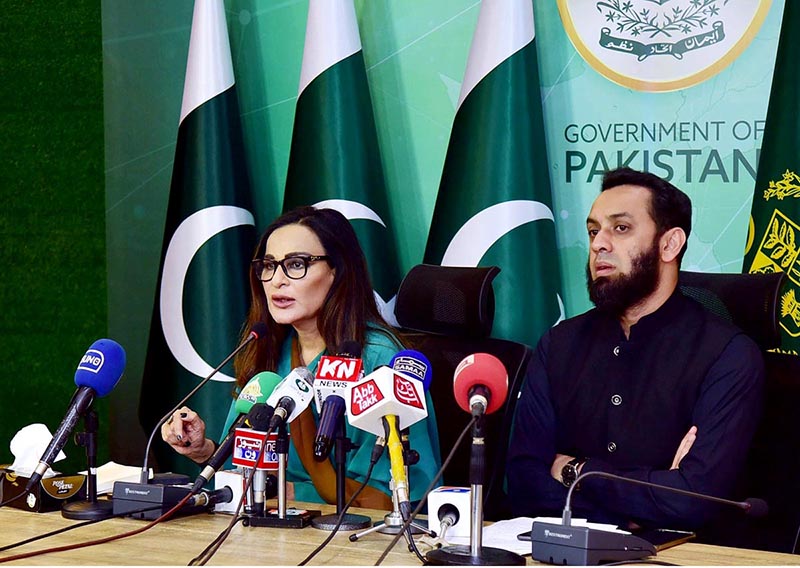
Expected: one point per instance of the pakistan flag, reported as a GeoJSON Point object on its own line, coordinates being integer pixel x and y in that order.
{"type": "Point", "coordinates": [494, 205]}
{"type": "Point", "coordinates": [202, 291]}
{"type": "Point", "coordinates": [773, 241]}
{"type": "Point", "coordinates": [334, 160]}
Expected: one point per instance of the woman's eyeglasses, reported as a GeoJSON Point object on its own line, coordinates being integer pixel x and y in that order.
{"type": "Point", "coordinates": [294, 267]}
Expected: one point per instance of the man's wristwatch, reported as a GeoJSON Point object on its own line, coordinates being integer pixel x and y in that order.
{"type": "Point", "coordinates": [569, 473]}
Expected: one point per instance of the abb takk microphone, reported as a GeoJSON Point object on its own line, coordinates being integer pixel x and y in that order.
{"type": "Point", "coordinates": [98, 372]}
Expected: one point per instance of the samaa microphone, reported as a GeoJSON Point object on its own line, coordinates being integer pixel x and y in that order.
{"type": "Point", "coordinates": [413, 364]}
{"type": "Point", "coordinates": [255, 392]}
{"type": "Point", "coordinates": [573, 545]}
{"type": "Point", "coordinates": [97, 374]}
{"type": "Point", "coordinates": [291, 397]}
{"type": "Point", "coordinates": [335, 376]}
{"type": "Point", "coordinates": [257, 331]}
{"type": "Point", "coordinates": [480, 384]}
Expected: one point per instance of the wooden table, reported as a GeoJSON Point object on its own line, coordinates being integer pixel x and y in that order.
{"type": "Point", "coordinates": [177, 541]}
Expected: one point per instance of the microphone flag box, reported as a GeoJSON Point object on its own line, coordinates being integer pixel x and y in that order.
{"type": "Point", "coordinates": [246, 445]}
{"type": "Point", "coordinates": [458, 497]}
{"type": "Point", "coordinates": [49, 494]}
{"type": "Point", "coordinates": [385, 392]}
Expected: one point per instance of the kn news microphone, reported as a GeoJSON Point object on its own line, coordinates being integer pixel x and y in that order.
{"type": "Point", "coordinates": [98, 372]}
{"type": "Point", "coordinates": [335, 376]}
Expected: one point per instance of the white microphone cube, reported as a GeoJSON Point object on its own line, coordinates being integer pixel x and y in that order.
{"type": "Point", "coordinates": [460, 498]}
{"type": "Point", "coordinates": [232, 478]}
{"type": "Point", "coordinates": [385, 392]}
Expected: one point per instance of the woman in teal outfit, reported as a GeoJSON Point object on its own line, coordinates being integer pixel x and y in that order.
{"type": "Point", "coordinates": [309, 284]}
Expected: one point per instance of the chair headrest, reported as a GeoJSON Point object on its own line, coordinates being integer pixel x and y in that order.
{"type": "Point", "coordinates": [749, 301]}
{"type": "Point", "coordinates": [447, 300]}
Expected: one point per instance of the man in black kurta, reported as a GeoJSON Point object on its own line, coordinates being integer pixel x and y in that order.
{"type": "Point", "coordinates": [648, 385]}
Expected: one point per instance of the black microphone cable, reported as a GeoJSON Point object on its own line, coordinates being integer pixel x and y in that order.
{"type": "Point", "coordinates": [75, 526]}
{"type": "Point", "coordinates": [104, 540]}
{"type": "Point", "coordinates": [377, 451]}
{"type": "Point", "coordinates": [430, 487]}
{"type": "Point", "coordinates": [210, 550]}
{"type": "Point", "coordinates": [14, 498]}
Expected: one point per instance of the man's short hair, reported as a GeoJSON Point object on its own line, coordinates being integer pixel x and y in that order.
{"type": "Point", "coordinates": [669, 206]}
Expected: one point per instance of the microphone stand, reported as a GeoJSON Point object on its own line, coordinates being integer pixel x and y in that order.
{"type": "Point", "coordinates": [350, 522]}
{"type": "Point", "coordinates": [393, 520]}
{"type": "Point", "coordinates": [475, 554]}
{"type": "Point", "coordinates": [283, 517]}
{"type": "Point", "coordinates": [91, 509]}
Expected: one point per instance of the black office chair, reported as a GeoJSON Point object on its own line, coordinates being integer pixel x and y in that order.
{"type": "Point", "coordinates": [447, 314]}
{"type": "Point", "coordinates": [751, 301]}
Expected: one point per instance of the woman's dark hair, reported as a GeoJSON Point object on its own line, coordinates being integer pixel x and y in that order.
{"type": "Point", "coordinates": [669, 206]}
{"type": "Point", "coordinates": [348, 308]}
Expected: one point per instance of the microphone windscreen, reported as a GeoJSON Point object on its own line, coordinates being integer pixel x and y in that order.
{"type": "Point", "coordinates": [758, 507]}
{"type": "Point", "coordinates": [259, 329]}
{"type": "Point", "coordinates": [257, 390]}
{"type": "Point", "coordinates": [350, 349]}
{"type": "Point", "coordinates": [101, 366]}
{"type": "Point", "coordinates": [481, 369]}
{"type": "Point", "coordinates": [414, 364]}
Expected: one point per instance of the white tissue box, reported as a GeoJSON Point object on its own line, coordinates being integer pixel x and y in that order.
{"type": "Point", "coordinates": [49, 495]}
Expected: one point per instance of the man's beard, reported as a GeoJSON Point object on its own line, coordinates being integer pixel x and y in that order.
{"type": "Point", "coordinates": [617, 294]}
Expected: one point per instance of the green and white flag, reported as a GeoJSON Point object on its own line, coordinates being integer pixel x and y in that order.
{"type": "Point", "coordinates": [494, 205]}
{"type": "Point", "coordinates": [334, 160]}
{"type": "Point", "coordinates": [202, 292]}
{"type": "Point", "coordinates": [773, 241]}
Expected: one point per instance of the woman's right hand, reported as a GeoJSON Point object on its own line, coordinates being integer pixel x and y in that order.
{"type": "Point", "coordinates": [185, 431]}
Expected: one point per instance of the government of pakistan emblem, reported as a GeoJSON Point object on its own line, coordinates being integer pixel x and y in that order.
{"type": "Point", "coordinates": [779, 248]}
{"type": "Point", "coordinates": [661, 45]}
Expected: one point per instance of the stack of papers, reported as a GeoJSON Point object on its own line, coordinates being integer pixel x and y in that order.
{"type": "Point", "coordinates": [109, 473]}
{"type": "Point", "coordinates": [503, 534]}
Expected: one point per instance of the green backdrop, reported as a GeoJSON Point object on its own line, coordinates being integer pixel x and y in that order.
{"type": "Point", "coordinates": [52, 218]}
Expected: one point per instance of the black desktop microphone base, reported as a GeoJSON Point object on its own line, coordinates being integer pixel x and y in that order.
{"type": "Point", "coordinates": [87, 510]}
{"type": "Point", "coordinates": [350, 522]}
{"type": "Point", "coordinates": [460, 555]}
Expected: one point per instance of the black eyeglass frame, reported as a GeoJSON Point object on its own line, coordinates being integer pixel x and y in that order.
{"type": "Point", "coordinates": [307, 260]}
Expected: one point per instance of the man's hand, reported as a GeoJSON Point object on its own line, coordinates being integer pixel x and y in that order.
{"type": "Point", "coordinates": [558, 464]}
{"type": "Point", "coordinates": [684, 447]}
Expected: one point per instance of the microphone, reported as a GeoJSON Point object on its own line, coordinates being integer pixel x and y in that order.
{"type": "Point", "coordinates": [448, 516]}
{"type": "Point", "coordinates": [252, 397]}
{"type": "Point", "coordinates": [382, 403]}
{"type": "Point", "coordinates": [291, 397]}
{"type": "Point", "coordinates": [413, 364]}
{"type": "Point", "coordinates": [335, 376]}
{"type": "Point", "coordinates": [257, 331]}
{"type": "Point", "coordinates": [98, 372]}
{"type": "Point", "coordinates": [211, 498]}
{"type": "Point", "coordinates": [480, 384]}
{"type": "Point", "coordinates": [568, 544]}
{"type": "Point", "coordinates": [752, 506]}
